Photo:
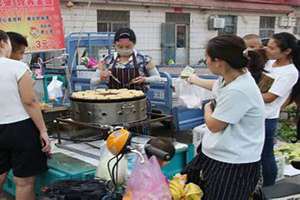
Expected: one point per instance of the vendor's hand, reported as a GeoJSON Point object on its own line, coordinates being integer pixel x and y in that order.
{"type": "Point", "coordinates": [104, 75]}
{"type": "Point", "coordinates": [46, 147]}
{"type": "Point", "coordinates": [192, 79]}
{"type": "Point", "coordinates": [101, 65]}
{"type": "Point", "coordinates": [139, 80]}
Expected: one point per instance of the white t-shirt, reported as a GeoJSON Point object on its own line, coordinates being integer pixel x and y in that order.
{"type": "Point", "coordinates": [241, 105]}
{"type": "Point", "coordinates": [12, 109]}
{"type": "Point", "coordinates": [285, 78]}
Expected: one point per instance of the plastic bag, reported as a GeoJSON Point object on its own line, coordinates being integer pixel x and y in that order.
{"type": "Point", "coordinates": [182, 191]}
{"type": "Point", "coordinates": [147, 182]}
{"type": "Point", "coordinates": [188, 95]}
{"type": "Point", "coordinates": [89, 62]}
{"type": "Point", "coordinates": [55, 89]}
{"type": "Point", "coordinates": [102, 169]}
{"type": "Point", "coordinates": [198, 133]}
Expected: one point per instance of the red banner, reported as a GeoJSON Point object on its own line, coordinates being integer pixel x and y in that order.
{"type": "Point", "coordinates": [39, 21]}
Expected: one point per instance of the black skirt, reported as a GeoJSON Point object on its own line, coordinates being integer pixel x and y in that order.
{"type": "Point", "coordinates": [223, 181]}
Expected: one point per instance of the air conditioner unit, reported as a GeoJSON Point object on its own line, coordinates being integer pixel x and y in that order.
{"type": "Point", "coordinates": [287, 22]}
{"type": "Point", "coordinates": [216, 23]}
{"type": "Point", "coordinates": [292, 21]}
{"type": "Point", "coordinates": [297, 30]}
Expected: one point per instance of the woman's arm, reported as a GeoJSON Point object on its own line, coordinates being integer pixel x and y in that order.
{"type": "Point", "coordinates": [269, 97]}
{"type": "Point", "coordinates": [32, 106]}
{"type": "Point", "coordinates": [213, 124]}
{"type": "Point", "coordinates": [207, 84]}
{"type": "Point", "coordinates": [154, 75]}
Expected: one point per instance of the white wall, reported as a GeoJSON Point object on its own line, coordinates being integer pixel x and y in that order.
{"type": "Point", "coordinates": [146, 22]}
{"type": "Point", "coordinates": [74, 20]}
{"type": "Point", "coordinates": [199, 35]}
{"type": "Point", "coordinates": [247, 24]}
{"type": "Point", "coordinates": [282, 29]}
{"type": "Point", "coordinates": [298, 16]}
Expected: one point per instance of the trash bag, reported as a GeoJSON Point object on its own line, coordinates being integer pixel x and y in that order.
{"type": "Point", "coordinates": [147, 182]}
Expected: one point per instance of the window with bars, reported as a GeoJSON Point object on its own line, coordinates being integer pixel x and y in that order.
{"type": "Point", "coordinates": [266, 26]}
{"type": "Point", "coordinates": [111, 21]}
{"type": "Point", "coordinates": [230, 25]}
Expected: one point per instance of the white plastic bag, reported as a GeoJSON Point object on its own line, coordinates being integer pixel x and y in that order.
{"type": "Point", "coordinates": [198, 133]}
{"type": "Point", "coordinates": [102, 170]}
{"type": "Point", "coordinates": [189, 95]}
{"type": "Point", "coordinates": [55, 89]}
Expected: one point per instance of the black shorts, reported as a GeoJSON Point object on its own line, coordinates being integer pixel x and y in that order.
{"type": "Point", "coordinates": [20, 149]}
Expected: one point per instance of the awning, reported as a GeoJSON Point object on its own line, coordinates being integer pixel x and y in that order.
{"type": "Point", "coordinates": [230, 5]}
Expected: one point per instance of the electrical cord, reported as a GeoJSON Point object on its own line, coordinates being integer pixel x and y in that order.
{"type": "Point", "coordinates": [115, 167]}
{"type": "Point", "coordinates": [109, 169]}
{"type": "Point", "coordinates": [78, 140]}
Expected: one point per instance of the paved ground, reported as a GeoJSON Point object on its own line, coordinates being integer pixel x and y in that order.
{"type": "Point", "coordinates": [158, 129]}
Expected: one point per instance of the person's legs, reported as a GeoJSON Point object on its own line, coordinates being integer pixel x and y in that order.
{"type": "Point", "coordinates": [5, 155]}
{"type": "Point", "coordinates": [25, 188]}
{"type": "Point", "coordinates": [268, 159]}
{"type": "Point", "coordinates": [2, 180]}
{"type": "Point", "coordinates": [27, 158]}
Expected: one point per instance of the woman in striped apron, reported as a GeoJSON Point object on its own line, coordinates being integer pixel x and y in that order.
{"type": "Point", "coordinates": [126, 68]}
{"type": "Point", "coordinates": [227, 166]}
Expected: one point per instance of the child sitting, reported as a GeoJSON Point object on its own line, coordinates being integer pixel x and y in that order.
{"type": "Point", "coordinates": [164, 150]}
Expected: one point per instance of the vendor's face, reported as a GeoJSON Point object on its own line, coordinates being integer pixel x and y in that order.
{"type": "Point", "coordinates": [274, 52]}
{"type": "Point", "coordinates": [124, 47]}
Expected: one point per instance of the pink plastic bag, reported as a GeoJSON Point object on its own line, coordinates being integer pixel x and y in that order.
{"type": "Point", "coordinates": [147, 182]}
{"type": "Point", "coordinates": [89, 62]}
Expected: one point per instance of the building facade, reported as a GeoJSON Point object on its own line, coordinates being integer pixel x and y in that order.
{"type": "Point", "coordinates": [178, 31]}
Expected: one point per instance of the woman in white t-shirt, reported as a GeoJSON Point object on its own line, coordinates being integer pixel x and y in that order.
{"type": "Point", "coordinates": [229, 161]}
{"type": "Point", "coordinates": [24, 141]}
{"type": "Point", "coordinates": [283, 66]}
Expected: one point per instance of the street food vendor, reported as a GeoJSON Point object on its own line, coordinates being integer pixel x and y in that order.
{"type": "Point", "coordinates": [126, 68]}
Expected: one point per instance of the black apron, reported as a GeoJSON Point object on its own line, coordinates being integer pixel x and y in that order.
{"type": "Point", "coordinates": [125, 76]}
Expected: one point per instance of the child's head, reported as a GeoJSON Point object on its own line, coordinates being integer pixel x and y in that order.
{"type": "Point", "coordinates": [164, 145]}
{"type": "Point", "coordinates": [253, 41]}
{"type": "Point", "coordinates": [257, 61]}
{"type": "Point", "coordinates": [19, 44]}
